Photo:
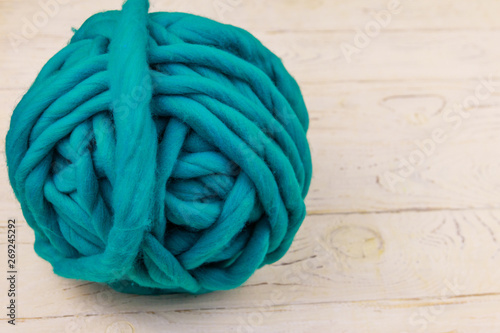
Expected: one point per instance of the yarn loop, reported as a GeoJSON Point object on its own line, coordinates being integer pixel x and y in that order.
{"type": "Point", "coordinates": [161, 153]}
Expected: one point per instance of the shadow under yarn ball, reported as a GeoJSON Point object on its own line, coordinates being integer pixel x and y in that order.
{"type": "Point", "coordinates": [161, 153]}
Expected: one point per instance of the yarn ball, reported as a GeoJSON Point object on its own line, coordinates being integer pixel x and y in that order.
{"type": "Point", "coordinates": [161, 153]}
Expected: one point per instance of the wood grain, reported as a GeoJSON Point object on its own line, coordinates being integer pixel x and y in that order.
{"type": "Point", "coordinates": [415, 254]}
{"type": "Point", "coordinates": [399, 268]}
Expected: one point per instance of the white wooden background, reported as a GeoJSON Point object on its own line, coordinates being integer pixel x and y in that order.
{"type": "Point", "coordinates": [421, 254]}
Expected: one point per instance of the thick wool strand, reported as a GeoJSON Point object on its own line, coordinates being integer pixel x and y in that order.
{"type": "Point", "coordinates": [161, 153]}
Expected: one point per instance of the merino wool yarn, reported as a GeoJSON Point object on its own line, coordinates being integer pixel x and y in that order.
{"type": "Point", "coordinates": [161, 153]}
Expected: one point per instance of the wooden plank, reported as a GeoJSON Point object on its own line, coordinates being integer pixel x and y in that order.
{"type": "Point", "coordinates": [418, 253]}
{"type": "Point", "coordinates": [336, 57]}
{"type": "Point", "coordinates": [365, 135]}
{"type": "Point", "coordinates": [299, 15]}
{"type": "Point", "coordinates": [311, 57]}
{"type": "Point", "coordinates": [430, 316]}
{"type": "Point", "coordinates": [321, 58]}
{"type": "Point", "coordinates": [405, 258]}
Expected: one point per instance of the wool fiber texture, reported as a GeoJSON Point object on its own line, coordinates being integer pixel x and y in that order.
{"type": "Point", "coordinates": [161, 153]}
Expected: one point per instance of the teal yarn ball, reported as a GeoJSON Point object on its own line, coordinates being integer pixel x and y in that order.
{"type": "Point", "coordinates": [161, 153]}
